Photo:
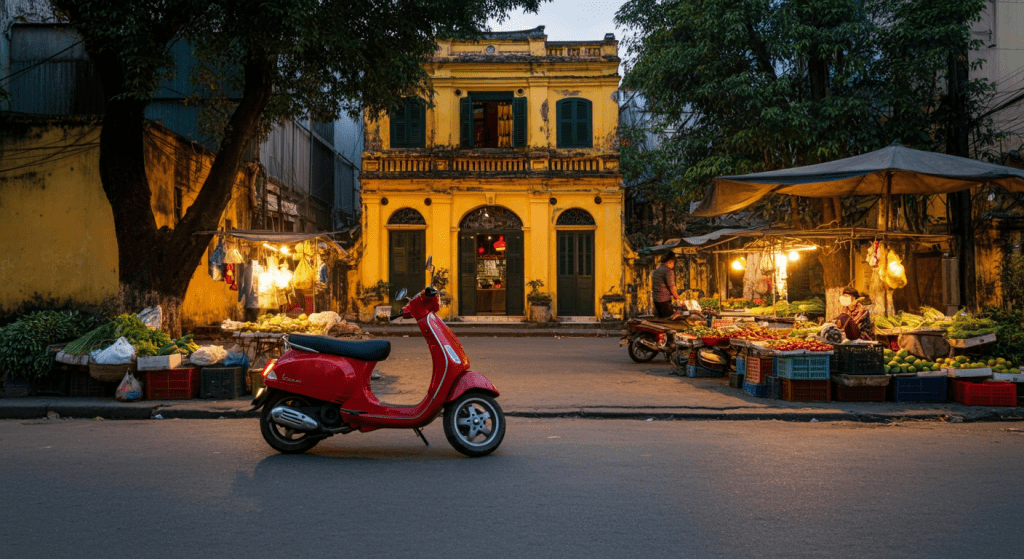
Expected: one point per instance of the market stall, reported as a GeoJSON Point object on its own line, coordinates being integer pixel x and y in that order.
{"type": "Point", "coordinates": [861, 370]}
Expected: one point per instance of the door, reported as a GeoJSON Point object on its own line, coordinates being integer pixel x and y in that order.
{"type": "Point", "coordinates": [406, 261]}
{"type": "Point", "coordinates": [576, 273]}
{"type": "Point", "coordinates": [516, 284]}
{"type": "Point", "coordinates": [467, 274]}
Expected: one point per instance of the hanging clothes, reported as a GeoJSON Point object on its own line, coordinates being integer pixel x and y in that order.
{"type": "Point", "coordinates": [216, 261]}
{"type": "Point", "coordinates": [229, 276]}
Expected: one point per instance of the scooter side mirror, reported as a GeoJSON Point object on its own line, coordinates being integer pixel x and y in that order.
{"type": "Point", "coordinates": [430, 263]}
{"type": "Point", "coordinates": [401, 294]}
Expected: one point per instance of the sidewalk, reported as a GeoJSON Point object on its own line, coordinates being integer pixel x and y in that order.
{"type": "Point", "coordinates": [678, 398]}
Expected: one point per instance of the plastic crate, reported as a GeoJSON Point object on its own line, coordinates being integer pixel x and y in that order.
{"type": "Point", "coordinates": [806, 390]}
{"type": "Point", "coordinates": [84, 386]}
{"type": "Point", "coordinates": [222, 383]}
{"type": "Point", "coordinates": [172, 384]}
{"type": "Point", "coordinates": [989, 393]}
{"type": "Point", "coordinates": [918, 389]}
{"type": "Point", "coordinates": [756, 390]}
{"type": "Point", "coordinates": [17, 388]}
{"type": "Point", "coordinates": [735, 380]}
{"type": "Point", "coordinates": [858, 393]}
{"type": "Point", "coordinates": [859, 360]}
{"type": "Point", "coordinates": [696, 371]}
{"type": "Point", "coordinates": [741, 364]}
{"type": "Point", "coordinates": [758, 369]}
{"type": "Point", "coordinates": [804, 367]}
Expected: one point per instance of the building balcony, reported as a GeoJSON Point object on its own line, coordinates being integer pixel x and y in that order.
{"type": "Point", "coordinates": [482, 164]}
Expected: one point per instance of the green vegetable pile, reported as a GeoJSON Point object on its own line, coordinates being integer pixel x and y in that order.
{"type": "Point", "coordinates": [146, 341]}
{"type": "Point", "coordinates": [966, 326]}
{"type": "Point", "coordinates": [782, 308]}
{"type": "Point", "coordinates": [23, 343]}
{"type": "Point", "coordinates": [1010, 341]}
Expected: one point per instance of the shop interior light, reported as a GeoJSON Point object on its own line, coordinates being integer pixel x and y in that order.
{"type": "Point", "coordinates": [739, 264]}
{"type": "Point", "coordinates": [794, 256]}
{"type": "Point", "coordinates": [269, 246]}
{"type": "Point", "coordinates": [284, 249]}
{"type": "Point", "coordinates": [499, 245]}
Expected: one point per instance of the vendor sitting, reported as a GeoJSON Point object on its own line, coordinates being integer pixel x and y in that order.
{"type": "Point", "coordinates": [854, 319]}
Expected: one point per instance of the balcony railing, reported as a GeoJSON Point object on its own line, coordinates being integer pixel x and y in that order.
{"type": "Point", "coordinates": [401, 164]}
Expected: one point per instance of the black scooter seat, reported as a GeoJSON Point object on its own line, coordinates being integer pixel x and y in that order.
{"type": "Point", "coordinates": [369, 350]}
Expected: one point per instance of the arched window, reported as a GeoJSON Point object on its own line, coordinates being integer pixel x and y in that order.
{"type": "Point", "coordinates": [575, 123]}
{"type": "Point", "coordinates": [406, 216]}
{"type": "Point", "coordinates": [490, 218]}
{"type": "Point", "coordinates": [575, 216]}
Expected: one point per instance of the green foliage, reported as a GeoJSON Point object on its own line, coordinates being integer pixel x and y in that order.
{"type": "Point", "coordinates": [23, 343]}
{"type": "Point", "coordinates": [1010, 334]}
{"type": "Point", "coordinates": [535, 296]}
{"type": "Point", "coordinates": [1011, 272]}
{"type": "Point", "coordinates": [741, 86]}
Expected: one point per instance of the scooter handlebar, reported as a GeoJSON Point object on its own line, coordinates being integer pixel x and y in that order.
{"type": "Point", "coordinates": [395, 314]}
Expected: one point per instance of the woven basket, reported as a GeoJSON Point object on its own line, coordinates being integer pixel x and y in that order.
{"type": "Point", "coordinates": [111, 373]}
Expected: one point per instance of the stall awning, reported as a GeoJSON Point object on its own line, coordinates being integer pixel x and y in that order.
{"type": "Point", "coordinates": [893, 170]}
{"type": "Point", "coordinates": [281, 237]}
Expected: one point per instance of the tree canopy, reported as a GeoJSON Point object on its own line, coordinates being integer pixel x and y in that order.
{"type": "Point", "coordinates": [740, 86]}
{"type": "Point", "coordinates": [288, 58]}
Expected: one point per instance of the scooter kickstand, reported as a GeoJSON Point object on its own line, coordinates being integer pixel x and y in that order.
{"type": "Point", "coordinates": [420, 433]}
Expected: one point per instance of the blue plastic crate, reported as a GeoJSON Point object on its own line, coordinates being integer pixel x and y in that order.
{"type": "Point", "coordinates": [803, 367]}
{"type": "Point", "coordinates": [696, 371]}
{"type": "Point", "coordinates": [919, 389]}
{"type": "Point", "coordinates": [756, 390]}
{"type": "Point", "coordinates": [741, 364]}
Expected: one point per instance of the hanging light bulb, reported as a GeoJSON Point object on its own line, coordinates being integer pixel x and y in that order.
{"type": "Point", "coordinates": [794, 256]}
{"type": "Point", "coordinates": [739, 264]}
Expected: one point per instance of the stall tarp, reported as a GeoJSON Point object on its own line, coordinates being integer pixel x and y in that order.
{"type": "Point", "coordinates": [893, 170]}
{"type": "Point", "coordinates": [283, 238]}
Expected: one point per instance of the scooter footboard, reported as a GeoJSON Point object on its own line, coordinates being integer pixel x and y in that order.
{"type": "Point", "coordinates": [471, 380]}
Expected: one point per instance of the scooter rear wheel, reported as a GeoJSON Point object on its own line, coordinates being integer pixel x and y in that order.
{"type": "Point", "coordinates": [639, 352]}
{"type": "Point", "coordinates": [284, 439]}
{"type": "Point", "coordinates": [474, 424]}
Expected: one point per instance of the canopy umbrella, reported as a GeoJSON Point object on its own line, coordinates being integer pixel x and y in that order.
{"type": "Point", "coordinates": [896, 169]}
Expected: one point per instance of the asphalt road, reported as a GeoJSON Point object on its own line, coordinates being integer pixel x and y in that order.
{"type": "Point", "coordinates": [556, 488]}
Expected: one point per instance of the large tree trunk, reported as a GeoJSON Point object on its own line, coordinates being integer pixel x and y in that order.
{"type": "Point", "coordinates": [156, 266]}
{"type": "Point", "coordinates": [835, 261]}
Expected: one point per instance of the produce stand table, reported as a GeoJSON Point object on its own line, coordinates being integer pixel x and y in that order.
{"type": "Point", "coordinates": [260, 346]}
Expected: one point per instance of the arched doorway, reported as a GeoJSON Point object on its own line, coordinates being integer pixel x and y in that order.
{"type": "Point", "coordinates": [575, 262]}
{"type": "Point", "coordinates": [491, 263]}
{"type": "Point", "coordinates": [406, 248]}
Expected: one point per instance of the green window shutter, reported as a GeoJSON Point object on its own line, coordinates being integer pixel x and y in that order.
{"type": "Point", "coordinates": [466, 122]}
{"type": "Point", "coordinates": [584, 114]}
{"type": "Point", "coordinates": [519, 122]}
{"type": "Point", "coordinates": [575, 123]}
{"type": "Point", "coordinates": [563, 116]}
{"type": "Point", "coordinates": [415, 124]}
{"type": "Point", "coordinates": [399, 131]}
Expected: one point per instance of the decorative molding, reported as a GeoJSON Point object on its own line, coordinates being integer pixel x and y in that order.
{"type": "Point", "coordinates": [490, 218]}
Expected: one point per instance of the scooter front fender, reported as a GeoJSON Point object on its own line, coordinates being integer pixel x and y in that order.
{"type": "Point", "coordinates": [471, 380]}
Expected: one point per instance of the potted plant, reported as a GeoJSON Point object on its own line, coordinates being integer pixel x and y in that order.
{"type": "Point", "coordinates": [540, 302]}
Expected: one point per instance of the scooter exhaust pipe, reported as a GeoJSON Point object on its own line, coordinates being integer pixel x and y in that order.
{"type": "Point", "coordinates": [293, 418]}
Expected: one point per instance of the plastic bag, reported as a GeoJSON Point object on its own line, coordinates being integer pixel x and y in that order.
{"type": "Point", "coordinates": [216, 262]}
{"type": "Point", "coordinates": [239, 359]}
{"type": "Point", "coordinates": [304, 276]}
{"type": "Point", "coordinates": [208, 355]}
{"type": "Point", "coordinates": [130, 389]}
{"type": "Point", "coordinates": [120, 353]}
{"type": "Point", "coordinates": [151, 317]}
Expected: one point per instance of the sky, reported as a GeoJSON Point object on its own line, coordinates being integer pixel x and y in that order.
{"type": "Point", "coordinates": [569, 20]}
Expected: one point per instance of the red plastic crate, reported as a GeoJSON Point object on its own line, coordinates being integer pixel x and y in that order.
{"type": "Point", "coordinates": [806, 390]}
{"type": "Point", "coordinates": [758, 369]}
{"type": "Point", "coordinates": [172, 384]}
{"type": "Point", "coordinates": [859, 393]}
{"type": "Point", "coordinates": [988, 393]}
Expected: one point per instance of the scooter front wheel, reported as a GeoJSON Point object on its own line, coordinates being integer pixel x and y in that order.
{"type": "Point", "coordinates": [474, 424]}
{"type": "Point", "coordinates": [281, 438]}
{"type": "Point", "coordinates": [639, 352]}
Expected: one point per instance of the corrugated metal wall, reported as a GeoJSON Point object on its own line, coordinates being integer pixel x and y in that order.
{"type": "Point", "coordinates": [51, 73]}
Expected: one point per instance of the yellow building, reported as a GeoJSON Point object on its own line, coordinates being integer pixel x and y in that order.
{"type": "Point", "coordinates": [57, 237]}
{"type": "Point", "coordinates": [508, 175]}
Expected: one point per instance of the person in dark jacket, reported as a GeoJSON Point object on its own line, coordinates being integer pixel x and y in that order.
{"type": "Point", "coordinates": [663, 286]}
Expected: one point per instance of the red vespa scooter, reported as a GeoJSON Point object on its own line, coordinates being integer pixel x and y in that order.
{"type": "Point", "coordinates": [321, 387]}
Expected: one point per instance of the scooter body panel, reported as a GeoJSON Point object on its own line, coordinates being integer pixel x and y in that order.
{"type": "Point", "coordinates": [330, 378]}
{"type": "Point", "coordinates": [471, 380]}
